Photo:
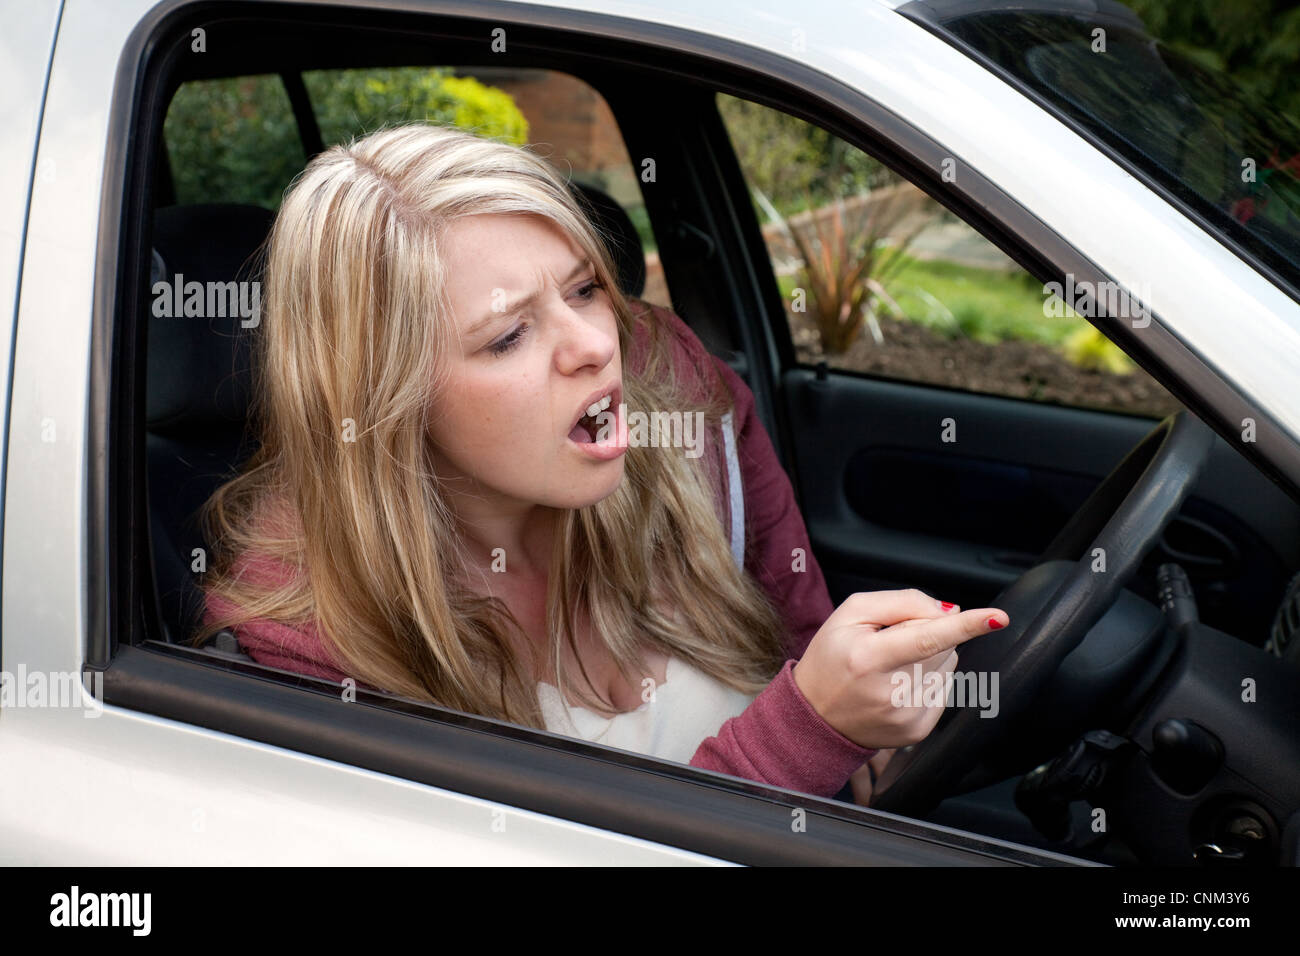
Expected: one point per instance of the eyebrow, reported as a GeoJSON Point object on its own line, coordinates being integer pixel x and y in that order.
{"type": "Point", "coordinates": [518, 304]}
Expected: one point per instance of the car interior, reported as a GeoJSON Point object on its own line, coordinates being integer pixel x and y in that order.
{"type": "Point", "coordinates": [1001, 514]}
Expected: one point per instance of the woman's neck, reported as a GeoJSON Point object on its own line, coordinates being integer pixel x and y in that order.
{"type": "Point", "coordinates": [515, 540]}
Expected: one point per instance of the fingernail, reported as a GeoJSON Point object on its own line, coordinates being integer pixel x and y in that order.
{"type": "Point", "coordinates": [947, 605]}
{"type": "Point", "coordinates": [994, 624]}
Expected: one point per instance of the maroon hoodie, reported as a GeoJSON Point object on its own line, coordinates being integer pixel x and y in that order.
{"type": "Point", "coordinates": [779, 739]}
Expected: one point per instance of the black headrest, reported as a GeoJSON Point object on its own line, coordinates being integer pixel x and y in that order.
{"type": "Point", "coordinates": [198, 365]}
{"type": "Point", "coordinates": [620, 235]}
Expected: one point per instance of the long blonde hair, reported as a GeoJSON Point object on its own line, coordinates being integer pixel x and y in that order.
{"type": "Point", "coordinates": [356, 326]}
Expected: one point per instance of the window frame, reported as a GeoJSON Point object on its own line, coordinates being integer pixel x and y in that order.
{"type": "Point", "coordinates": [616, 791]}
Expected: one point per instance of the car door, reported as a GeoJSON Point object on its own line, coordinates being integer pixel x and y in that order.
{"type": "Point", "coordinates": [199, 758]}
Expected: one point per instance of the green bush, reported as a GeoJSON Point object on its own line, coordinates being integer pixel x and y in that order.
{"type": "Point", "coordinates": [236, 140]}
{"type": "Point", "coordinates": [1089, 349]}
{"type": "Point", "coordinates": [232, 141]}
{"type": "Point", "coordinates": [351, 103]}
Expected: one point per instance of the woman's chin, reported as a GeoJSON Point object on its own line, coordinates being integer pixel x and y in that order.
{"type": "Point", "coordinates": [594, 484]}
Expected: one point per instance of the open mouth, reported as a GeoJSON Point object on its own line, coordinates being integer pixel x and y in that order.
{"type": "Point", "coordinates": [597, 422]}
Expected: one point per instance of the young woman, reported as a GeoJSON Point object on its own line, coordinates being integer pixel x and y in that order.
{"type": "Point", "coordinates": [482, 483]}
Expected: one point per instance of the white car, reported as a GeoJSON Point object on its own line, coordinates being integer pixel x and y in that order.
{"type": "Point", "coordinates": [117, 424]}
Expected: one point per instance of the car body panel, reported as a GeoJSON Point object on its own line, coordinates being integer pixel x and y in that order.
{"type": "Point", "coordinates": [26, 45]}
{"type": "Point", "coordinates": [123, 788]}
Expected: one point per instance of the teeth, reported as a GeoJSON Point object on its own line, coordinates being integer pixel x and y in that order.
{"type": "Point", "coordinates": [595, 408]}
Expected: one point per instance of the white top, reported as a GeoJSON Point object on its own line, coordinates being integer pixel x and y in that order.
{"type": "Point", "coordinates": [684, 711]}
{"type": "Point", "coordinates": [689, 706]}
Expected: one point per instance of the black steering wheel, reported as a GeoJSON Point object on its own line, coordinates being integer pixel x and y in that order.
{"type": "Point", "coordinates": [1107, 539]}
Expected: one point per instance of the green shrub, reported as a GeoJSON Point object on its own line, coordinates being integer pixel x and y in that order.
{"type": "Point", "coordinates": [352, 103]}
{"type": "Point", "coordinates": [1089, 349]}
{"type": "Point", "coordinates": [236, 140]}
{"type": "Point", "coordinates": [232, 141]}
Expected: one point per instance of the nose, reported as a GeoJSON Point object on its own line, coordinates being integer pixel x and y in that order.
{"type": "Point", "coordinates": [585, 340]}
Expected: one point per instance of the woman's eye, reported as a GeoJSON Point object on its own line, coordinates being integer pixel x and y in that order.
{"type": "Point", "coordinates": [502, 346]}
{"type": "Point", "coordinates": [588, 291]}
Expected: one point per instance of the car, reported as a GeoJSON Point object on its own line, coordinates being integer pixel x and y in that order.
{"type": "Point", "coordinates": [1147, 704]}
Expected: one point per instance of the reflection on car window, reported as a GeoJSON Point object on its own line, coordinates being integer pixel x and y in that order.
{"type": "Point", "coordinates": [1224, 152]}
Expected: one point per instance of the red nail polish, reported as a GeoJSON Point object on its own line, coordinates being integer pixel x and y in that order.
{"type": "Point", "coordinates": [993, 623]}
{"type": "Point", "coordinates": [948, 605]}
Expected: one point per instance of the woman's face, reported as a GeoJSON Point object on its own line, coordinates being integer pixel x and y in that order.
{"type": "Point", "coordinates": [522, 373]}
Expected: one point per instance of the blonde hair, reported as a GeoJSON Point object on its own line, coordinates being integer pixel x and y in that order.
{"type": "Point", "coordinates": [356, 325]}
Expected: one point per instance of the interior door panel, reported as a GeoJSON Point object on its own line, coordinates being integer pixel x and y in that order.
{"type": "Point", "coordinates": [890, 503]}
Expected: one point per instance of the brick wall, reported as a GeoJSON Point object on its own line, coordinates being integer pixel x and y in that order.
{"type": "Point", "coordinates": [566, 114]}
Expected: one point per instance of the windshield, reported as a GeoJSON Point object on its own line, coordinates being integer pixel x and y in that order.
{"type": "Point", "coordinates": [1233, 161]}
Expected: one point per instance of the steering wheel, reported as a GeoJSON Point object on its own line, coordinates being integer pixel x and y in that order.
{"type": "Point", "coordinates": [1052, 607]}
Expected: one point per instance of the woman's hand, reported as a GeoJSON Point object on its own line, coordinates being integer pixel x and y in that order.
{"type": "Point", "coordinates": [861, 782]}
{"type": "Point", "coordinates": [846, 672]}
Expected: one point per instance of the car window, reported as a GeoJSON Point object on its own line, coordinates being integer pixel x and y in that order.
{"type": "Point", "coordinates": [878, 278]}
{"type": "Point", "coordinates": [1187, 125]}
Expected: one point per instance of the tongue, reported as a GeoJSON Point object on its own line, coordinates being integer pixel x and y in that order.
{"type": "Point", "coordinates": [580, 434]}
